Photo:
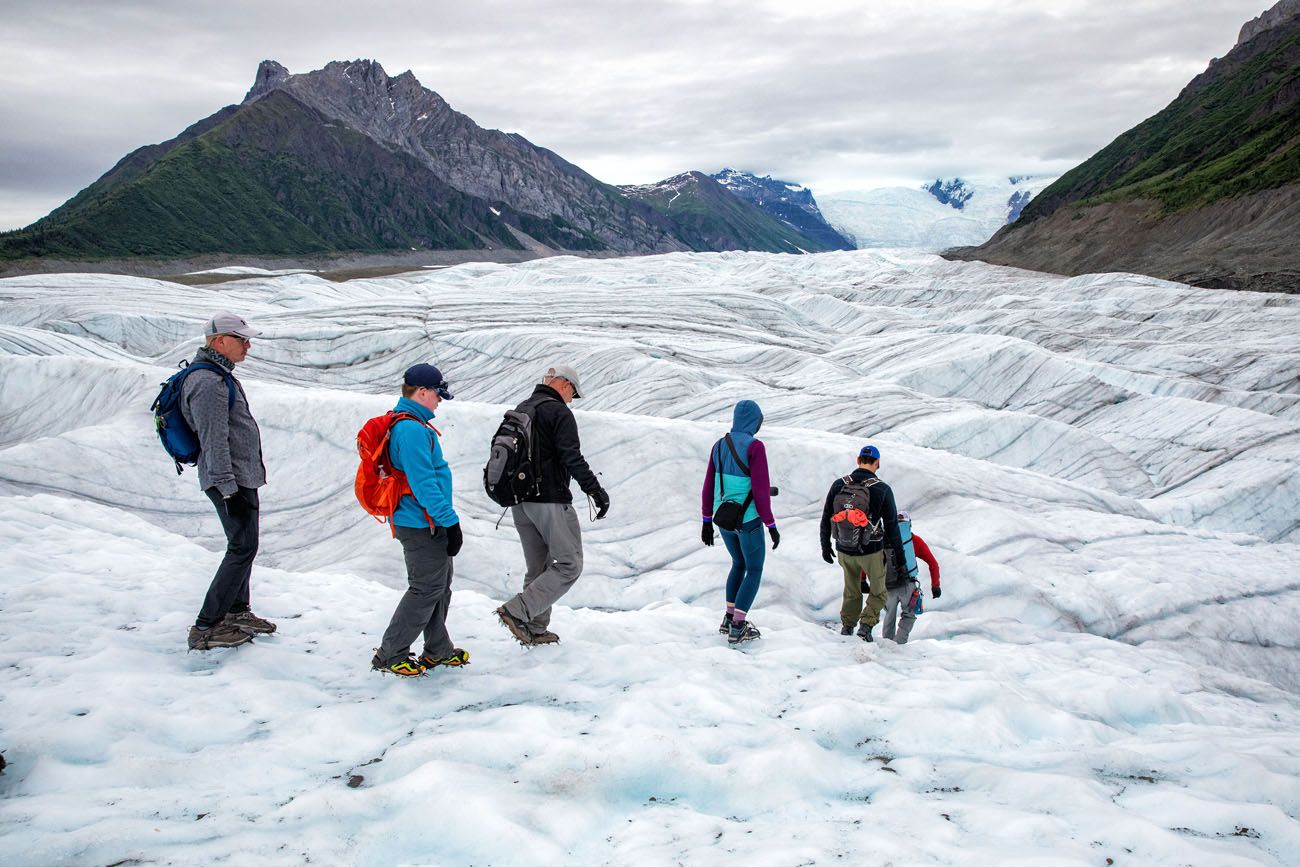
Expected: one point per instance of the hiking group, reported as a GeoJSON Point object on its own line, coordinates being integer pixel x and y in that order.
{"type": "Point", "coordinates": [203, 417]}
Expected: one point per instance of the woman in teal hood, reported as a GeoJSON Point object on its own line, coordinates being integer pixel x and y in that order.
{"type": "Point", "coordinates": [738, 475]}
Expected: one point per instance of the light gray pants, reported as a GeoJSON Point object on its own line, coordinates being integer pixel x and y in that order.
{"type": "Point", "coordinates": [423, 608]}
{"type": "Point", "coordinates": [895, 600]}
{"type": "Point", "coordinates": [552, 560]}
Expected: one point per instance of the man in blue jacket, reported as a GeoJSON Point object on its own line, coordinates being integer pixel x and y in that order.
{"type": "Point", "coordinates": [428, 528]}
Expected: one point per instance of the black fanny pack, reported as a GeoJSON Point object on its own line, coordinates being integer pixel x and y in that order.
{"type": "Point", "coordinates": [730, 514]}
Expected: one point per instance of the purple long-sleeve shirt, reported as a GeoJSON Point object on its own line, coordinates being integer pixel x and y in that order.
{"type": "Point", "coordinates": [759, 480]}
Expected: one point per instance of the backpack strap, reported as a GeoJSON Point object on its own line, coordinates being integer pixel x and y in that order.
{"type": "Point", "coordinates": [717, 471]}
{"type": "Point", "coordinates": [394, 418]}
{"type": "Point", "coordinates": [225, 374]}
{"type": "Point", "coordinates": [749, 498]}
{"type": "Point", "coordinates": [735, 454]}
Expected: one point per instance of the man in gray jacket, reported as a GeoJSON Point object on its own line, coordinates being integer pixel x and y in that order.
{"type": "Point", "coordinates": [230, 472]}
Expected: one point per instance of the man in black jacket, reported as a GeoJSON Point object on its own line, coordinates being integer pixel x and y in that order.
{"type": "Point", "coordinates": [860, 539]}
{"type": "Point", "coordinates": [546, 521]}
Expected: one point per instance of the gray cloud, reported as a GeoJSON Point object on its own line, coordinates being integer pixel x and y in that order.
{"type": "Point", "coordinates": [847, 95]}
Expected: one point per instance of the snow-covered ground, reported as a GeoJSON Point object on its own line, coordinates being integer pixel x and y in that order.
{"type": "Point", "coordinates": [1105, 467]}
{"type": "Point", "coordinates": [910, 217]}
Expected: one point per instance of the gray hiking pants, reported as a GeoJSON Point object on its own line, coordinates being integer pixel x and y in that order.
{"type": "Point", "coordinates": [896, 604]}
{"type": "Point", "coordinates": [552, 560]}
{"type": "Point", "coordinates": [423, 608]}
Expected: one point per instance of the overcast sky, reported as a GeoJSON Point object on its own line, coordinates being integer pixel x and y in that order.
{"type": "Point", "coordinates": [835, 94]}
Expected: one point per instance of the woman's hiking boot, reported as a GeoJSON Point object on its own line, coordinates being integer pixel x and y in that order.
{"type": "Point", "coordinates": [456, 660]}
{"type": "Point", "coordinates": [249, 622]}
{"type": "Point", "coordinates": [725, 626]}
{"type": "Point", "coordinates": [221, 635]}
{"type": "Point", "coordinates": [742, 631]}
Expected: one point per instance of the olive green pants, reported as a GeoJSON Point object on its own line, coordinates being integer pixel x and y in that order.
{"type": "Point", "coordinates": [852, 610]}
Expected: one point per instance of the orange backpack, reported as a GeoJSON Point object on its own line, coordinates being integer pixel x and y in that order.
{"type": "Point", "coordinates": [380, 486]}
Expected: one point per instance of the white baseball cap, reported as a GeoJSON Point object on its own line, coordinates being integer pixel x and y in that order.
{"type": "Point", "coordinates": [229, 323]}
{"type": "Point", "coordinates": [564, 371]}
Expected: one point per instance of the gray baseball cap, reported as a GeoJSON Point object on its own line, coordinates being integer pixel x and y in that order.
{"type": "Point", "coordinates": [564, 371]}
{"type": "Point", "coordinates": [229, 323]}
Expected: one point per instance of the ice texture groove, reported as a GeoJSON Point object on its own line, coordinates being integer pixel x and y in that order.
{"type": "Point", "coordinates": [1105, 466]}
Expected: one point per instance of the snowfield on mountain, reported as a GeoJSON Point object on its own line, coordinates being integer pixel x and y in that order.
{"type": "Point", "coordinates": [1105, 467]}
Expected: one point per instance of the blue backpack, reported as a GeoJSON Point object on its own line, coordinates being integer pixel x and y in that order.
{"type": "Point", "coordinates": [178, 438]}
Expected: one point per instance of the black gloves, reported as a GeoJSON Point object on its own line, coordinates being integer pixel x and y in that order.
{"type": "Point", "coordinates": [776, 537]}
{"type": "Point", "coordinates": [455, 538]}
{"type": "Point", "coordinates": [936, 591]}
{"type": "Point", "coordinates": [602, 502]}
{"type": "Point", "coordinates": [706, 533]}
{"type": "Point", "coordinates": [239, 504]}
{"type": "Point", "coordinates": [827, 555]}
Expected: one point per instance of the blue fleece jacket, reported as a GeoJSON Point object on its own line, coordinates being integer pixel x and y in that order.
{"type": "Point", "coordinates": [414, 449]}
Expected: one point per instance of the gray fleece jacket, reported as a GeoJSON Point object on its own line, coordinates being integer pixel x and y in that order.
{"type": "Point", "coordinates": [230, 444]}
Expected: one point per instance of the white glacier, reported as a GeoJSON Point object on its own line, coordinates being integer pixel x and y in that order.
{"type": "Point", "coordinates": [1105, 467]}
{"type": "Point", "coordinates": [912, 218]}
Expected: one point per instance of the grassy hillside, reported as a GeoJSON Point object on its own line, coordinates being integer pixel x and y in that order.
{"type": "Point", "coordinates": [274, 178]}
{"type": "Point", "coordinates": [1234, 129]}
{"type": "Point", "coordinates": [707, 217]}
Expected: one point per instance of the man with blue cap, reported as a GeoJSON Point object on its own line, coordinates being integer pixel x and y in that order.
{"type": "Point", "coordinates": [427, 526]}
{"type": "Point", "coordinates": [860, 509]}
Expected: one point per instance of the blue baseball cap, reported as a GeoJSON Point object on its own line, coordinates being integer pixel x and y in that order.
{"type": "Point", "coordinates": [870, 453]}
{"type": "Point", "coordinates": [427, 376]}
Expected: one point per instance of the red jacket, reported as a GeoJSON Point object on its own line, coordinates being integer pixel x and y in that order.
{"type": "Point", "coordinates": [923, 552]}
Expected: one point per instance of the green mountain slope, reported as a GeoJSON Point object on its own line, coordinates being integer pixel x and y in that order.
{"type": "Point", "coordinates": [1234, 129]}
{"type": "Point", "coordinates": [275, 178]}
{"type": "Point", "coordinates": [707, 217]}
{"type": "Point", "coordinates": [1206, 192]}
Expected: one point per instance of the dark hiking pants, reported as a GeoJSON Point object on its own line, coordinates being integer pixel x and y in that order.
{"type": "Point", "coordinates": [228, 592]}
{"type": "Point", "coordinates": [423, 608]}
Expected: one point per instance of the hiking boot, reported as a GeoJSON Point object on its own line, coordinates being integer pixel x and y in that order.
{"type": "Point", "coordinates": [864, 632]}
{"type": "Point", "coordinates": [516, 626]}
{"type": "Point", "coordinates": [407, 667]}
{"type": "Point", "coordinates": [456, 660]}
{"type": "Point", "coordinates": [221, 635]}
{"type": "Point", "coordinates": [725, 626]}
{"type": "Point", "coordinates": [546, 638]}
{"type": "Point", "coordinates": [743, 631]}
{"type": "Point", "coordinates": [249, 622]}
{"type": "Point", "coordinates": [846, 629]}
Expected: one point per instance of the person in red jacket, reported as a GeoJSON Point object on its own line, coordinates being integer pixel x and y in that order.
{"type": "Point", "coordinates": [900, 587]}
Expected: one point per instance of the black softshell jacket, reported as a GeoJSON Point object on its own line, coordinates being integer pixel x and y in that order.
{"type": "Point", "coordinates": [559, 452]}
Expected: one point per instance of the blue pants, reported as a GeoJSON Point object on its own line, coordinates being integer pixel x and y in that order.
{"type": "Point", "coordinates": [747, 554]}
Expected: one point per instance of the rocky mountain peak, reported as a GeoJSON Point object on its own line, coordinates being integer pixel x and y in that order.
{"type": "Point", "coordinates": [270, 75]}
{"type": "Point", "coordinates": [1280, 13]}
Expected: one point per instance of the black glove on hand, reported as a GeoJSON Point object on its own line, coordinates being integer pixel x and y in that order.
{"type": "Point", "coordinates": [455, 538]}
{"type": "Point", "coordinates": [936, 592]}
{"type": "Point", "coordinates": [776, 537]}
{"type": "Point", "coordinates": [237, 504]}
{"type": "Point", "coordinates": [706, 533]}
{"type": "Point", "coordinates": [602, 503]}
{"type": "Point", "coordinates": [827, 555]}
